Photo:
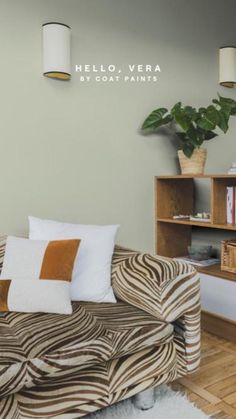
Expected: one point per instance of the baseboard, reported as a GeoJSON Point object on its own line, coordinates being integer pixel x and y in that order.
{"type": "Point", "coordinates": [219, 326]}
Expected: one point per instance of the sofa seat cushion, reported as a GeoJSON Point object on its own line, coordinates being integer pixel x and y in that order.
{"type": "Point", "coordinates": [37, 347]}
{"type": "Point", "coordinates": [83, 392]}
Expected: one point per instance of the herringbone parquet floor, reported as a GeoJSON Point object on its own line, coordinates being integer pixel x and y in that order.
{"type": "Point", "coordinates": [213, 387]}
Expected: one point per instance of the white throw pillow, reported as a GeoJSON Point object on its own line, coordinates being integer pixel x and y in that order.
{"type": "Point", "coordinates": [91, 280]}
{"type": "Point", "coordinates": [36, 275]}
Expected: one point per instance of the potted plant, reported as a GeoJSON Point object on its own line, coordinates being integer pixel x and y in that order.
{"type": "Point", "coordinates": [192, 127]}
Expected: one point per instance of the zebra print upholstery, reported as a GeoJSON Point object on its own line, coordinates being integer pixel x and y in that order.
{"type": "Point", "coordinates": [167, 289]}
{"type": "Point", "coordinates": [64, 367]}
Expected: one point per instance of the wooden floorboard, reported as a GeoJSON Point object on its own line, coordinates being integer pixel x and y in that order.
{"type": "Point", "coordinates": [213, 387]}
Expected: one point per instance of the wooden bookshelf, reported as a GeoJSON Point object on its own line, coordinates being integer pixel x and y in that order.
{"type": "Point", "coordinates": [175, 195]}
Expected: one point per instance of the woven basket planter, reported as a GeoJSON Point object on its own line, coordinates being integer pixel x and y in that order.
{"type": "Point", "coordinates": [196, 163]}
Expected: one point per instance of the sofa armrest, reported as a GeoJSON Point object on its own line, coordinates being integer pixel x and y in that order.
{"type": "Point", "coordinates": [166, 288]}
{"type": "Point", "coordinates": [163, 287]}
{"type": "Point", "coordinates": [121, 253]}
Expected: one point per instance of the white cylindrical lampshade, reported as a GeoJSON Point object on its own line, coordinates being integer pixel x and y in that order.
{"type": "Point", "coordinates": [227, 66]}
{"type": "Point", "coordinates": [56, 50]}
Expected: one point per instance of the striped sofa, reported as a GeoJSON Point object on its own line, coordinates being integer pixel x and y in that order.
{"type": "Point", "coordinates": [65, 367]}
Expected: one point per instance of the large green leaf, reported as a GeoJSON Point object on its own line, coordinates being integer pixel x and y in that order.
{"type": "Point", "coordinates": [175, 108]}
{"type": "Point", "coordinates": [228, 106]}
{"type": "Point", "coordinates": [226, 109]}
{"type": "Point", "coordinates": [155, 119]}
{"type": "Point", "coordinates": [233, 110]}
{"type": "Point", "coordinates": [209, 135]}
{"type": "Point", "coordinates": [210, 119]}
{"type": "Point", "coordinates": [188, 150]}
{"type": "Point", "coordinates": [182, 118]}
{"type": "Point", "coordinates": [200, 134]}
{"type": "Point", "coordinates": [164, 121]}
{"type": "Point", "coordinates": [190, 111]}
{"type": "Point", "coordinates": [193, 136]}
{"type": "Point", "coordinates": [226, 100]}
{"type": "Point", "coordinates": [205, 123]}
{"type": "Point", "coordinates": [202, 110]}
{"type": "Point", "coordinates": [223, 121]}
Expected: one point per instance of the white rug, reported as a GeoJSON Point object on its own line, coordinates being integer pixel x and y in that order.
{"type": "Point", "coordinates": [169, 405]}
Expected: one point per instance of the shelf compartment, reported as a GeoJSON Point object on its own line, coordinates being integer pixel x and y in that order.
{"type": "Point", "coordinates": [173, 239]}
{"type": "Point", "coordinates": [169, 196]}
{"type": "Point", "coordinates": [218, 198]}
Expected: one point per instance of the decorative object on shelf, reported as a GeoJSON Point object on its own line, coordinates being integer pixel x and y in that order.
{"type": "Point", "coordinates": [230, 204]}
{"type": "Point", "coordinates": [201, 216]}
{"type": "Point", "coordinates": [56, 50]}
{"type": "Point", "coordinates": [232, 170]}
{"type": "Point", "coordinates": [192, 127]}
{"type": "Point", "coordinates": [227, 66]}
{"type": "Point", "coordinates": [201, 252]}
{"type": "Point", "coordinates": [181, 217]}
{"type": "Point", "coordinates": [228, 255]}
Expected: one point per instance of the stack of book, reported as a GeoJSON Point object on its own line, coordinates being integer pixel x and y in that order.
{"type": "Point", "coordinates": [230, 205]}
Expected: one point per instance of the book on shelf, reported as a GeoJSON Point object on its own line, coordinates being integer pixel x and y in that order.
{"type": "Point", "coordinates": [230, 205]}
{"type": "Point", "coordinates": [202, 263]}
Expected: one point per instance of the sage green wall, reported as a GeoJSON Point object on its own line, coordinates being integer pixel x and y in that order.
{"type": "Point", "coordinates": [73, 151]}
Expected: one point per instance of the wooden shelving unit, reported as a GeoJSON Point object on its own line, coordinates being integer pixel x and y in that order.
{"type": "Point", "coordinates": [176, 195]}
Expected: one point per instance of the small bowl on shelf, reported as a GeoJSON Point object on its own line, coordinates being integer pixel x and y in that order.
{"type": "Point", "coordinates": [200, 252]}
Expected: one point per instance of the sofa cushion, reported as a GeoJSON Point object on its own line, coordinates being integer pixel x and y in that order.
{"type": "Point", "coordinates": [35, 347]}
{"type": "Point", "coordinates": [91, 279]}
{"type": "Point", "coordinates": [36, 275]}
{"type": "Point", "coordinates": [94, 388]}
